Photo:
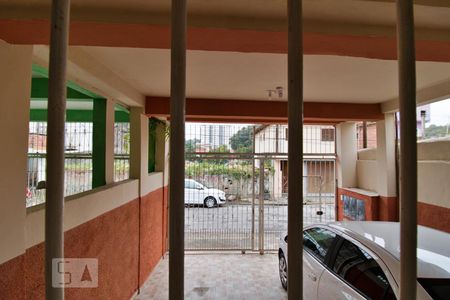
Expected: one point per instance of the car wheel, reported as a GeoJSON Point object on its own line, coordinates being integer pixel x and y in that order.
{"type": "Point", "coordinates": [282, 267]}
{"type": "Point", "coordinates": [210, 202]}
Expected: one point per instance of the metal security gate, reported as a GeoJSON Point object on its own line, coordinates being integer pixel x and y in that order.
{"type": "Point", "coordinates": [236, 195]}
{"type": "Point", "coordinates": [228, 225]}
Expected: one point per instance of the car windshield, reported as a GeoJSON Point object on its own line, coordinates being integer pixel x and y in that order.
{"type": "Point", "coordinates": [437, 288]}
{"type": "Point", "coordinates": [199, 185]}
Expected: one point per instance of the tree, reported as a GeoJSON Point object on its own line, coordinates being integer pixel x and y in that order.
{"type": "Point", "coordinates": [435, 131]}
{"type": "Point", "coordinates": [220, 149]}
{"type": "Point", "coordinates": [242, 140]}
{"type": "Point", "coordinates": [190, 146]}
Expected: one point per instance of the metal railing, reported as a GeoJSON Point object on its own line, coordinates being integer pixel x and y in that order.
{"type": "Point", "coordinates": [77, 164]}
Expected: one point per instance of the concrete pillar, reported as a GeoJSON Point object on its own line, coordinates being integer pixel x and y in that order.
{"type": "Point", "coordinates": [177, 135]}
{"type": "Point", "coordinates": [408, 148]}
{"type": "Point", "coordinates": [347, 154]}
{"type": "Point", "coordinates": [109, 141]}
{"type": "Point", "coordinates": [295, 148]}
{"type": "Point", "coordinates": [15, 87]}
{"type": "Point", "coordinates": [386, 164]}
{"type": "Point", "coordinates": [138, 143]}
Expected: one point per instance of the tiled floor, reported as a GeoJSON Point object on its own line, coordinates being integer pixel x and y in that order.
{"type": "Point", "coordinates": [220, 276]}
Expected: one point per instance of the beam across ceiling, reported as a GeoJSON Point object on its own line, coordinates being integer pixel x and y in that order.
{"type": "Point", "coordinates": [433, 3]}
{"type": "Point", "coordinates": [248, 111]}
{"type": "Point", "coordinates": [36, 32]}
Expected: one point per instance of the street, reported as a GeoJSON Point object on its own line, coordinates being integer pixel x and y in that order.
{"type": "Point", "coordinates": [231, 227]}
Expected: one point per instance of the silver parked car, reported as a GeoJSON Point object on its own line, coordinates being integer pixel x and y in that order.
{"type": "Point", "coordinates": [361, 260]}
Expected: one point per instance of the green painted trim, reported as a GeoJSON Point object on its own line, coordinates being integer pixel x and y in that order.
{"type": "Point", "coordinates": [121, 117]}
{"type": "Point", "coordinates": [73, 115]}
{"type": "Point", "coordinates": [120, 107]}
{"type": "Point", "coordinates": [39, 70]}
{"type": "Point", "coordinates": [152, 126]}
{"type": "Point", "coordinates": [39, 91]}
{"type": "Point", "coordinates": [72, 86]}
{"type": "Point", "coordinates": [99, 143]}
{"type": "Point", "coordinates": [77, 88]}
{"type": "Point", "coordinates": [40, 115]}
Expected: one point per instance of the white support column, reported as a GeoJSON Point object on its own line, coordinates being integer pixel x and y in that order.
{"type": "Point", "coordinates": [386, 156]}
{"type": "Point", "coordinates": [347, 154]}
{"type": "Point", "coordinates": [139, 143]}
{"type": "Point", "coordinates": [54, 196]}
{"type": "Point", "coordinates": [15, 87]}
{"type": "Point", "coordinates": [109, 141]}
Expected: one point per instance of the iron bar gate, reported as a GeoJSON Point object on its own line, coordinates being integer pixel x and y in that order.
{"type": "Point", "coordinates": [238, 201]}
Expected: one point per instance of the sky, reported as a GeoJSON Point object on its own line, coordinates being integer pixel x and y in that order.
{"type": "Point", "coordinates": [440, 113]}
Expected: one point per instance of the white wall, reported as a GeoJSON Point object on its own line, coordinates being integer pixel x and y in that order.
{"type": "Point", "coordinates": [21, 228]}
{"type": "Point", "coordinates": [81, 208]}
{"type": "Point", "coordinates": [434, 172]}
{"type": "Point", "coordinates": [266, 142]}
{"type": "Point", "coordinates": [375, 167]}
{"type": "Point", "coordinates": [346, 154]}
{"type": "Point", "coordinates": [386, 182]}
{"type": "Point", "coordinates": [15, 87]}
{"type": "Point", "coordinates": [366, 171]}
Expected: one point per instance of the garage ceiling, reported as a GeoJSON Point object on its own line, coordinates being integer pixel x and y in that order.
{"type": "Point", "coordinates": [231, 75]}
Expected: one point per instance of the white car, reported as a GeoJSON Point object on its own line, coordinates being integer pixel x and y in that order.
{"type": "Point", "coordinates": [197, 193]}
{"type": "Point", "coordinates": [360, 260]}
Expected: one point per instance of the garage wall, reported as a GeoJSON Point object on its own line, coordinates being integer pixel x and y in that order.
{"type": "Point", "coordinates": [124, 231]}
{"type": "Point", "coordinates": [111, 236]}
{"type": "Point", "coordinates": [434, 187]}
{"type": "Point", "coordinates": [433, 180]}
{"type": "Point", "coordinates": [366, 169]}
{"type": "Point", "coordinates": [15, 86]}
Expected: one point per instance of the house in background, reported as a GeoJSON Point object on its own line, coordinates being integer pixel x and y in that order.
{"type": "Point", "coordinates": [319, 152]}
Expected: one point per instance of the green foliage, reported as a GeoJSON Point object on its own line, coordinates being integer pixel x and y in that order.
{"type": "Point", "coordinates": [199, 169]}
{"type": "Point", "coordinates": [126, 142]}
{"type": "Point", "coordinates": [242, 140]}
{"type": "Point", "coordinates": [435, 131]}
{"type": "Point", "coordinates": [190, 146]}
{"type": "Point", "coordinates": [238, 170]}
{"type": "Point", "coordinates": [220, 149]}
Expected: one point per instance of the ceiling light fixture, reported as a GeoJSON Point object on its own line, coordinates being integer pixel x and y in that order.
{"type": "Point", "coordinates": [278, 91]}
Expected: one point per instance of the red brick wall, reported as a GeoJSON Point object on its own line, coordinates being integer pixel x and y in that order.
{"type": "Point", "coordinates": [377, 208]}
{"type": "Point", "coordinates": [370, 204]}
{"type": "Point", "coordinates": [153, 232]}
{"type": "Point", "coordinates": [11, 278]}
{"type": "Point", "coordinates": [371, 135]}
{"type": "Point", "coordinates": [433, 216]}
{"type": "Point", "coordinates": [113, 238]}
{"type": "Point", "coordinates": [388, 209]}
